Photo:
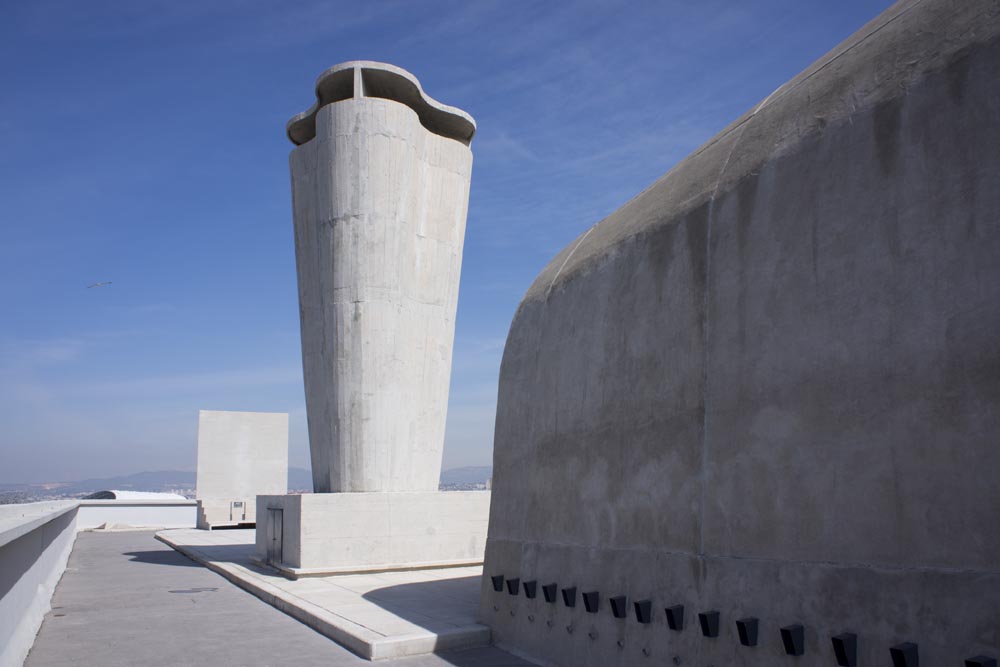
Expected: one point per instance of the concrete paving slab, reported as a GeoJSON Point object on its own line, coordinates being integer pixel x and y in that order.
{"type": "Point", "coordinates": [126, 599]}
{"type": "Point", "coordinates": [378, 616]}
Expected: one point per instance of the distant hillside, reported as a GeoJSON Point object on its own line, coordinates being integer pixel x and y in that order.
{"type": "Point", "coordinates": [183, 482]}
{"type": "Point", "coordinates": [300, 479]}
{"type": "Point", "coordinates": [160, 480]}
{"type": "Point", "coordinates": [166, 481]}
{"type": "Point", "coordinates": [467, 475]}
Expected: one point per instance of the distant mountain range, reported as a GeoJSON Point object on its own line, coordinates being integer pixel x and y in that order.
{"type": "Point", "coordinates": [183, 482]}
{"type": "Point", "coordinates": [467, 475]}
{"type": "Point", "coordinates": [159, 480]}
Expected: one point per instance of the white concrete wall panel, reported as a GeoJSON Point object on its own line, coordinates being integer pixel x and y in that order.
{"type": "Point", "coordinates": [241, 454]}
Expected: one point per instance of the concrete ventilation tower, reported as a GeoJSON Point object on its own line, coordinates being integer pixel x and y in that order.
{"type": "Point", "coordinates": [380, 189]}
{"type": "Point", "coordinates": [380, 183]}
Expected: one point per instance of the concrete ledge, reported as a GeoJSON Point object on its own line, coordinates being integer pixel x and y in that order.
{"type": "Point", "coordinates": [301, 572]}
{"type": "Point", "coordinates": [137, 503]}
{"type": "Point", "coordinates": [342, 608]}
{"type": "Point", "coordinates": [18, 520]}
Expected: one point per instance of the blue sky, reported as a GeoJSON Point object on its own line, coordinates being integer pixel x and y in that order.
{"type": "Point", "coordinates": [143, 143]}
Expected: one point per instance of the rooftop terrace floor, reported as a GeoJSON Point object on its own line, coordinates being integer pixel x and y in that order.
{"type": "Point", "coordinates": [377, 615]}
{"type": "Point", "coordinates": [127, 599]}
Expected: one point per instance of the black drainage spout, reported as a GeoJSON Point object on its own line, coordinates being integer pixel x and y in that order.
{"type": "Point", "coordinates": [709, 621]}
{"type": "Point", "coordinates": [845, 648]}
{"type": "Point", "coordinates": [794, 639]}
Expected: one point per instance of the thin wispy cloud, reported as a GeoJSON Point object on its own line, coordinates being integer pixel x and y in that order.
{"type": "Point", "coordinates": [190, 383]}
{"type": "Point", "coordinates": [154, 308]}
{"type": "Point", "coordinates": [503, 147]}
{"type": "Point", "coordinates": [39, 353]}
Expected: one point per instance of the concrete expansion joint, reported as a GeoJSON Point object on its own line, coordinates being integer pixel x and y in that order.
{"type": "Point", "coordinates": [443, 168]}
{"type": "Point", "coordinates": [566, 261]}
{"type": "Point", "coordinates": [863, 40]}
{"type": "Point", "coordinates": [707, 327]}
{"type": "Point", "coordinates": [785, 89]}
{"type": "Point", "coordinates": [398, 295]}
{"type": "Point", "coordinates": [385, 134]}
{"type": "Point", "coordinates": [360, 128]}
{"type": "Point", "coordinates": [346, 218]}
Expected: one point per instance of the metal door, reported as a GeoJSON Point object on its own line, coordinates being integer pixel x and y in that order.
{"type": "Point", "coordinates": [275, 521]}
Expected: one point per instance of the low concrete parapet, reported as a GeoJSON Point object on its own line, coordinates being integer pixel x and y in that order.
{"type": "Point", "coordinates": [35, 542]}
{"type": "Point", "coordinates": [136, 513]}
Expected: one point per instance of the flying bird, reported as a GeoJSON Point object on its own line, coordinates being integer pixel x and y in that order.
{"type": "Point", "coordinates": [107, 282]}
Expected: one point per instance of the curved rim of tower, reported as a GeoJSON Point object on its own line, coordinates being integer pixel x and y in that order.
{"type": "Point", "coordinates": [385, 81]}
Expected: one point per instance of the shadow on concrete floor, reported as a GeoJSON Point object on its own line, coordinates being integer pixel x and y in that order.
{"type": "Point", "coordinates": [461, 598]}
{"type": "Point", "coordinates": [462, 592]}
{"type": "Point", "coordinates": [486, 656]}
{"type": "Point", "coordinates": [454, 599]}
{"type": "Point", "coordinates": [160, 558]}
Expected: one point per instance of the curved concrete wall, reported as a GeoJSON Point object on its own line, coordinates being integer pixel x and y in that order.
{"type": "Point", "coordinates": [380, 204]}
{"type": "Point", "coordinates": [768, 386]}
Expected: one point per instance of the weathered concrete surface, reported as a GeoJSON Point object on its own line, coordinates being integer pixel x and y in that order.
{"type": "Point", "coordinates": [357, 532]}
{"type": "Point", "coordinates": [380, 190]}
{"type": "Point", "coordinates": [769, 385]}
{"type": "Point", "coordinates": [240, 454]}
{"type": "Point", "coordinates": [128, 600]}
{"type": "Point", "coordinates": [380, 193]}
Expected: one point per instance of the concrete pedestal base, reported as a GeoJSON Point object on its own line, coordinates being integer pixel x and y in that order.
{"type": "Point", "coordinates": [226, 513]}
{"type": "Point", "coordinates": [328, 533]}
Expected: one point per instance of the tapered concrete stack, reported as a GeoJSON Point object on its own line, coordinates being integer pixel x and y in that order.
{"type": "Point", "coordinates": [380, 183]}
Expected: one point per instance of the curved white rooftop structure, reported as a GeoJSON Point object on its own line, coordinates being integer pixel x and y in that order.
{"type": "Point", "coordinates": [115, 494]}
